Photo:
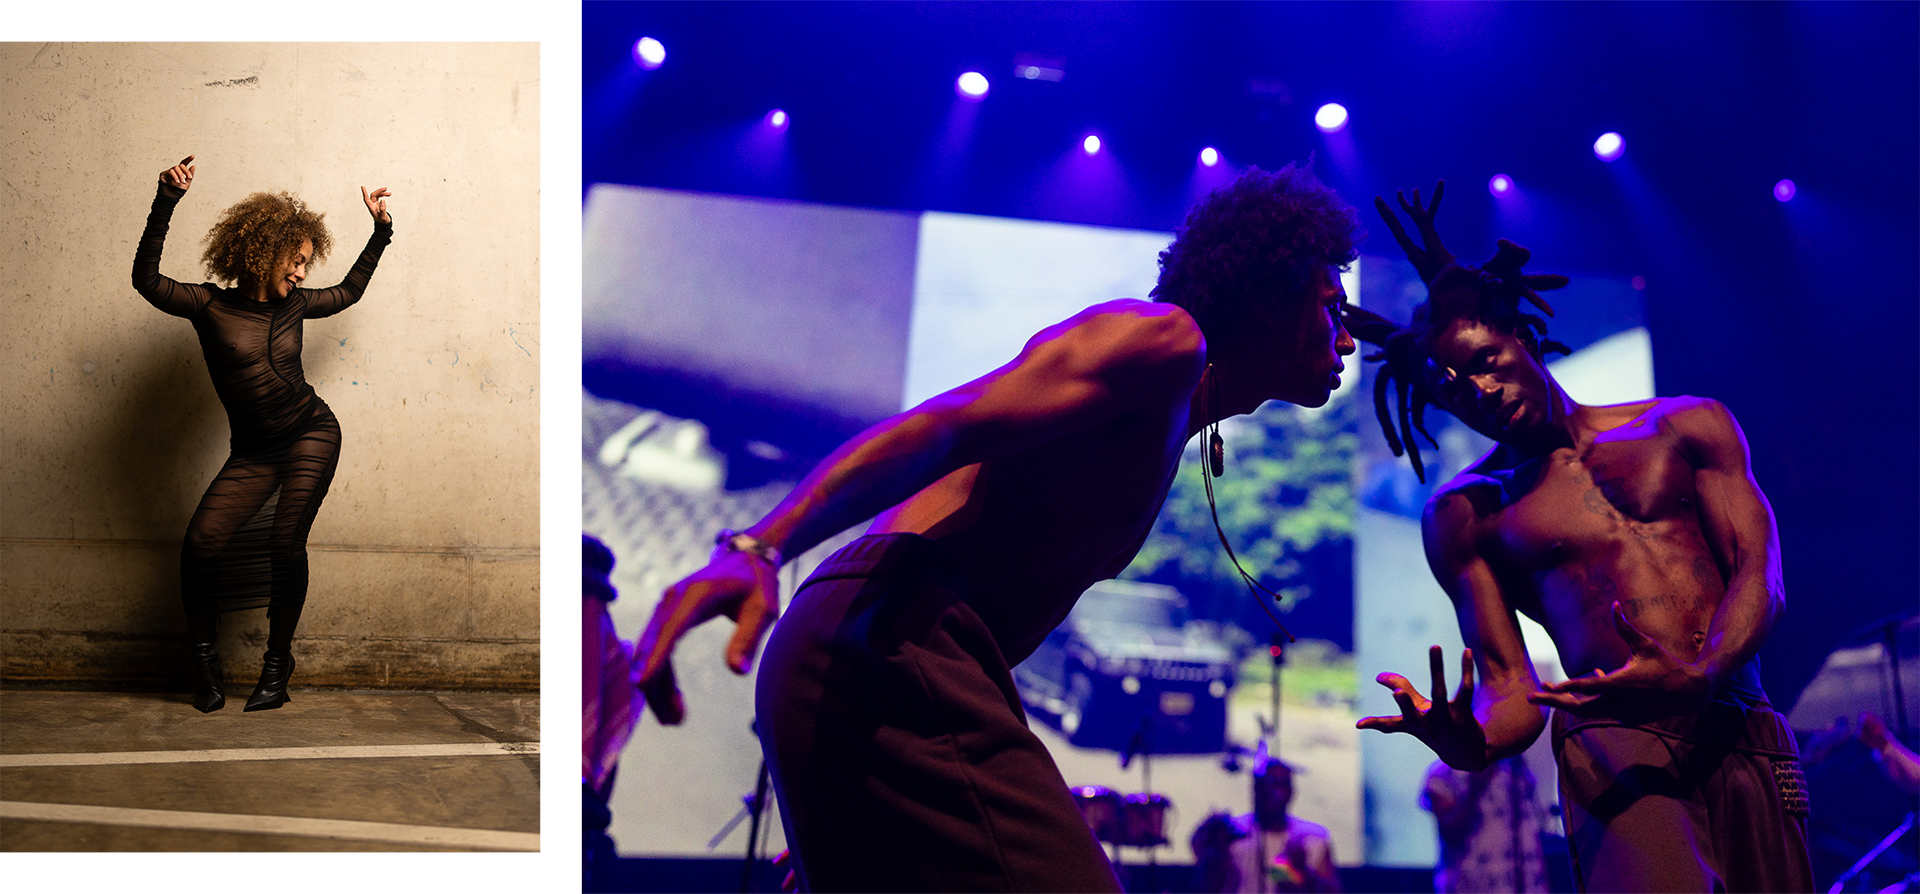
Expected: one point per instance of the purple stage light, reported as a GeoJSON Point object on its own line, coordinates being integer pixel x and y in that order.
{"type": "Point", "coordinates": [1091, 144]}
{"type": "Point", "coordinates": [972, 85]}
{"type": "Point", "coordinates": [1639, 283]}
{"type": "Point", "coordinates": [1785, 190]}
{"type": "Point", "coordinates": [1332, 118]}
{"type": "Point", "coordinates": [1039, 68]}
{"type": "Point", "coordinates": [1609, 147]}
{"type": "Point", "coordinates": [1500, 185]}
{"type": "Point", "coordinates": [650, 53]}
{"type": "Point", "coordinates": [777, 119]}
{"type": "Point", "coordinates": [1209, 156]}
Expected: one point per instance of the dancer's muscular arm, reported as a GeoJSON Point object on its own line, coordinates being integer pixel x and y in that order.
{"type": "Point", "coordinates": [1492, 720]}
{"type": "Point", "coordinates": [1739, 526]}
{"type": "Point", "coordinates": [174, 297]}
{"type": "Point", "coordinates": [1099, 365]}
{"type": "Point", "coordinates": [330, 301]}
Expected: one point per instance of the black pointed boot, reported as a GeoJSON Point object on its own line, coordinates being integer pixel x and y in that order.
{"type": "Point", "coordinates": [208, 695]}
{"type": "Point", "coordinates": [275, 671]}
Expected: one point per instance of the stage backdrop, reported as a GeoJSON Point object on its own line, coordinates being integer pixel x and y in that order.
{"type": "Point", "coordinates": [425, 555]}
{"type": "Point", "coordinates": [731, 342]}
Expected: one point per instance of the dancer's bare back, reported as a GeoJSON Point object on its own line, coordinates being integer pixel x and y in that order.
{"type": "Point", "coordinates": [1041, 477]}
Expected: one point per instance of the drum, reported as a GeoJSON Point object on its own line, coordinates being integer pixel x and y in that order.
{"type": "Point", "coordinates": [1143, 820]}
{"type": "Point", "coordinates": [1101, 806]}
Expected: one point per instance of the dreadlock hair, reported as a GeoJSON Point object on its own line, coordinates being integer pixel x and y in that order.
{"type": "Point", "coordinates": [258, 232]}
{"type": "Point", "coordinates": [1488, 294]}
{"type": "Point", "coordinates": [1265, 229]}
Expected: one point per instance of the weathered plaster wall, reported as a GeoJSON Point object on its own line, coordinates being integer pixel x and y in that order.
{"type": "Point", "coordinates": [425, 555]}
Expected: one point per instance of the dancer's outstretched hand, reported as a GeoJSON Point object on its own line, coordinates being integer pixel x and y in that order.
{"type": "Point", "coordinates": [1448, 727]}
{"type": "Point", "coordinates": [179, 176]}
{"type": "Point", "coordinates": [1873, 730]}
{"type": "Point", "coordinates": [376, 203]}
{"type": "Point", "coordinates": [739, 585]}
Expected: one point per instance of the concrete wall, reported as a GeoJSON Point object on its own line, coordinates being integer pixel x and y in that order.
{"type": "Point", "coordinates": [425, 556]}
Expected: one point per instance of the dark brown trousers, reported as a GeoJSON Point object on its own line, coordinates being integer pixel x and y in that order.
{"type": "Point", "coordinates": [1709, 802]}
{"type": "Point", "coordinates": [897, 742]}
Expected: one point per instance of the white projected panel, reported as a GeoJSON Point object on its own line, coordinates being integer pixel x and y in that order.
{"type": "Point", "coordinates": [984, 285]}
{"type": "Point", "coordinates": [1617, 369]}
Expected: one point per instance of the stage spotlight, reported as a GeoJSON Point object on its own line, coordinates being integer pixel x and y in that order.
{"type": "Point", "coordinates": [972, 85]}
{"type": "Point", "coordinates": [777, 119]}
{"type": "Point", "coordinates": [1091, 144]}
{"type": "Point", "coordinates": [1639, 283]}
{"type": "Point", "coordinates": [1784, 190]}
{"type": "Point", "coordinates": [1609, 147]}
{"type": "Point", "coordinates": [1500, 185]}
{"type": "Point", "coordinates": [1332, 118]}
{"type": "Point", "coordinates": [650, 53]}
{"type": "Point", "coordinates": [1039, 68]}
{"type": "Point", "coordinates": [1209, 156]}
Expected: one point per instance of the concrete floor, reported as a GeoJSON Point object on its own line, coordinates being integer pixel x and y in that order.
{"type": "Point", "coordinates": [328, 771]}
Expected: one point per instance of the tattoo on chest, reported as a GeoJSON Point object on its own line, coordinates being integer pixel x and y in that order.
{"type": "Point", "coordinates": [1596, 503]}
{"type": "Point", "coordinates": [1597, 591]}
{"type": "Point", "coordinates": [1603, 500]}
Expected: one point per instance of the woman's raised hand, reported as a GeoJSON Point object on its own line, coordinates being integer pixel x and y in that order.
{"type": "Point", "coordinates": [377, 203]}
{"type": "Point", "coordinates": [179, 176]}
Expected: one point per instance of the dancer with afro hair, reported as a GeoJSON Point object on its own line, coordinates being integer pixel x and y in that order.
{"type": "Point", "coordinates": [246, 546]}
{"type": "Point", "coordinates": [887, 709]}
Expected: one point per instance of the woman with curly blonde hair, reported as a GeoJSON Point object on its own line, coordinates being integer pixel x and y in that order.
{"type": "Point", "coordinates": [246, 546]}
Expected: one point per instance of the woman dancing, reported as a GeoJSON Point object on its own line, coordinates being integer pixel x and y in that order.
{"type": "Point", "coordinates": [247, 544]}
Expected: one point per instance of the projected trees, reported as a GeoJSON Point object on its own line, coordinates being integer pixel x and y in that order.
{"type": "Point", "coordinates": [1286, 504]}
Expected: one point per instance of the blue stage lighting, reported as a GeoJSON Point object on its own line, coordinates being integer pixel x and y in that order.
{"type": "Point", "coordinates": [777, 119]}
{"type": "Point", "coordinates": [1609, 147]}
{"type": "Point", "coordinates": [1500, 185]}
{"type": "Point", "coordinates": [1209, 156]}
{"type": "Point", "coordinates": [1091, 144]}
{"type": "Point", "coordinates": [1784, 190]}
{"type": "Point", "coordinates": [972, 85]}
{"type": "Point", "coordinates": [650, 53]}
{"type": "Point", "coordinates": [1332, 118]}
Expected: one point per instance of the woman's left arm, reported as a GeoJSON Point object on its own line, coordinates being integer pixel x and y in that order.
{"type": "Point", "coordinates": [327, 302]}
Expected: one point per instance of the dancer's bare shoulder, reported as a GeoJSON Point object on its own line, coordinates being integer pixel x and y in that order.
{"type": "Point", "coordinates": [1143, 347]}
{"type": "Point", "coordinates": [1701, 423]}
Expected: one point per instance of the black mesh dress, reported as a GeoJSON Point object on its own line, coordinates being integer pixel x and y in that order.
{"type": "Point", "coordinates": [246, 546]}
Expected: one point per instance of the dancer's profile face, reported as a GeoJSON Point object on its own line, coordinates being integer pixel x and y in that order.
{"type": "Point", "coordinates": [292, 270]}
{"type": "Point", "coordinates": [1309, 367]}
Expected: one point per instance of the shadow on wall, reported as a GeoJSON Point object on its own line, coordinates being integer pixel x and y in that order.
{"type": "Point", "coordinates": [156, 449]}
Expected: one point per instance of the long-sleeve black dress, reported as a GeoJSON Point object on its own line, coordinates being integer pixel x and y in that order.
{"type": "Point", "coordinates": [246, 546]}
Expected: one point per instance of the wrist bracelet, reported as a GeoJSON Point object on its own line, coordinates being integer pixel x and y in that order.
{"type": "Point", "coordinates": [734, 541]}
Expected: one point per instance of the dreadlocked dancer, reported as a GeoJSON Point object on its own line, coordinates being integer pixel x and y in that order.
{"type": "Point", "coordinates": [1636, 535]}
{"type": "Point", "coordinates": [895, 736]}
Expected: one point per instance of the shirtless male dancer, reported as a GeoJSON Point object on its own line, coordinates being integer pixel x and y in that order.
{"type": "Point", "coordinates": [891, 725]}
{"type": "Point", "coordinates": [1636, 535]}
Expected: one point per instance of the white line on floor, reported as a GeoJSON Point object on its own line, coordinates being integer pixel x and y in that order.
{"type": "Point", "coordinates": [352, 830]}
{"type": "Point", "coordinates": [267, 754]}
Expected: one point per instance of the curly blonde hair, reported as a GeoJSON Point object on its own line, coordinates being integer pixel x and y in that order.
{"type": "Point", "coordinates": [258, 232]}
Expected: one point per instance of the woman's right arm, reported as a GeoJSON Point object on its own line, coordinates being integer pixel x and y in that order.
{"type": "Point", "coordinates": [177, 298]}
